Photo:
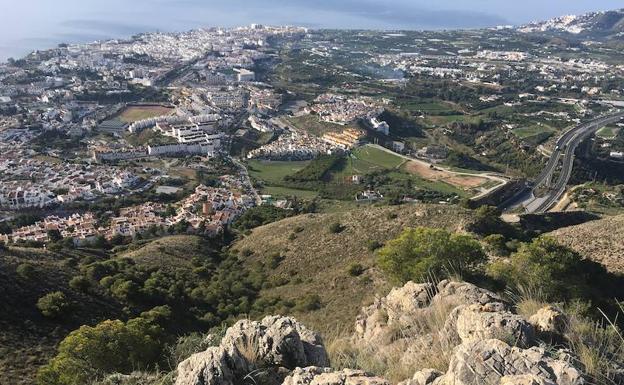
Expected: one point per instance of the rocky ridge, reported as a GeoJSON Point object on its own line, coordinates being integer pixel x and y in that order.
{"type": "Point", "coordinates": [486, 341]}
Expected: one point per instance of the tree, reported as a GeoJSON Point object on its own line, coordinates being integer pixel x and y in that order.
{"type": "Point", "coordinates": [53, 304]}
{"type": "Point", "coordinates": [111, 346]}
{"type": "Point", "coordinates": [420, 252]}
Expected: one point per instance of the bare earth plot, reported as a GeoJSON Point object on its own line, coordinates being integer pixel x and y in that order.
{"type": "Point", "coordinates": [435, 174]}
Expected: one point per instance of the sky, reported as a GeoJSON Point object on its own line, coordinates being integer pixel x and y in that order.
{"type": "Point", "coordinates": [36, 24]}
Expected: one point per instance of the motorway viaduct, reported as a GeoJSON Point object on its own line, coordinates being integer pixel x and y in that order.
{"type": "Point", "coordinates": [562, 159]}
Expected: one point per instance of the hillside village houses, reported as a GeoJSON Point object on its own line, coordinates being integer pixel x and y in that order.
{"type": "Point", "coordinates": [207, 209]}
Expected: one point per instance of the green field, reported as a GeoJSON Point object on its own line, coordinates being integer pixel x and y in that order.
{"type": "Point", "coordinates": [530, 131]}
{"type": "Point", "coordinates": [272, 175]}
{"type": "Point", "coordinates": [273, 172]}
{"type": "Point", "coordinates": [608, 132]}
{"type": "Point", "coordinates": [432, 108]}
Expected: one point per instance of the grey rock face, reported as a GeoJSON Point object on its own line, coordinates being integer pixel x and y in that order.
{"type": "Point", "coordinates": [254, 347]}
{"type": "Point", "coordinates": [326, 376]}
{"type": "Point", "coordinates": [487, 362]}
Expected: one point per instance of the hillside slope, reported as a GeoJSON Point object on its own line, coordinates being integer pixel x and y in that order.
{"type": "Point", "coordinates": [28, 339]}
{"type": "Point", "coordinates": [601, 241]}
{"type": "Point", "coordinates": [316, 262]}
{"type": "Point", "coordinates": [593, 23]}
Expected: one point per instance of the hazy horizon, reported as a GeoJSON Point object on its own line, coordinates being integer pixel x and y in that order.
{"type": "Point", "coordinates": [40, 24]}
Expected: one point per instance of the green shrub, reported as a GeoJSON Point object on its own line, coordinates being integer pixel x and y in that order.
{"type": "Point", "coordinates": [421, 252]}
{"type": "Point", "coordinates": [373, 245]}
{"type": "Point", "coordinates": [109, 347]}
{"type": "Point", "coordinates": [552, 269]}
{"type": "Point", "coordinates": [496, 244]}
{"type": "Point", "coordinates": [26, 271]}
{"type": "Point", "coordinates": [80, 283]}
{"type": "Point", "coordinates": [355, 269]}
{"type": "Point", "coordinates": [275, 260]}
{"type": "Point", "coordinates": [336, 228]}
{"type": "Point", "coordinates": [53, 304]}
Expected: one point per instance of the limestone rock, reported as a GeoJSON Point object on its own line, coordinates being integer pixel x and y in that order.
{"type": "Point", "coordinates": [487, 362]}
{"type": "Point", "coordinates": [275, 342]}
{"type": "Point", "coordinates": [423, 377]}
{"type": "Point", "coordinates": [398, 307]}
{"type": "Point", "coordinates": [479, 322]}
{"type": "Point", "coordinates": [208, 367]}
{"type": "Point", "coordinates": [527, 379]}
{"type": "Point", "coordinates": [465, 293]}
{"type": "Point", "coordinates": [549, 319]}
{"type": "Point", "coordinates": [326, 376]}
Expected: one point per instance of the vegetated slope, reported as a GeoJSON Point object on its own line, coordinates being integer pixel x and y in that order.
{"type": "Point", "coordinates": [173, 251]}
{"type": "Point", "coordinates": [318, 268]}
{"type": "Point", "coordinates": [601, 241]}
{"type": "Point", "coordinates": [27, 338]}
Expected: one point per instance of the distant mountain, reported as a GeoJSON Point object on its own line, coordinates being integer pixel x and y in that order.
{"type": "Point", "coordinates": [594, 23]}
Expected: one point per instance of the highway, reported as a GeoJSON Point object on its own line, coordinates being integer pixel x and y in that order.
{"type": "Point", "coordinates": [565, 147]}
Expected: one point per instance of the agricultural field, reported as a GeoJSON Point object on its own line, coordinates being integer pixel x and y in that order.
{"type": "Point", "coordinates": [133, 114]}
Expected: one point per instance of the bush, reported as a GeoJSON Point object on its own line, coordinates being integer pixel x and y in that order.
{"type": "Point", "coordinates": [80, 283]}
{"type": "Point", "coordinates": [421, 252]}
{"type": "Point", "coordinates": [554, 270]}
{"type": "Point", "coordinates": [374, 245]}
{"type": "Point", "coordinates": [109, 347]}
{"type": "Point", "coordinates": [336, 228]}
{"type": "Point", "coordinates": [355, 269]}
{"type": "Point", "coordinates": [26, 271]}
{"type": "Point", "coordinates": [496, 244]}
{"type": "Point", "coordinates": [53, 304]}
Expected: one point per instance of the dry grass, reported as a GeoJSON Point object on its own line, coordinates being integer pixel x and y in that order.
{"type": "Point", "coordinates": [317, 262]}
{"type": "Point", "coordinates": [527, 301]}
{"type": "Point", "coordinates": [599, 346]}
{"type": "Point", "coordinates": [422, 345]}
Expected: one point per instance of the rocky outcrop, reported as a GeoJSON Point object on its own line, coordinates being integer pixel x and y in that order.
{"type": "Point", "coordinates": [249, 346]}
{"type": "Point", "coordinates": [488, 342]}
{"type": "Point", "coordinates": [488, 362]}
{"type": "Point", "coordinates": [549, 319]}
{"type": "Point", "coordinates": [473, 334]}
{"type": "Point", "coordinates": [326, 376]}
{"type": "Point", "coordinates": [479, 322]}
{"type": "Point", "coordinates": [377, 323]}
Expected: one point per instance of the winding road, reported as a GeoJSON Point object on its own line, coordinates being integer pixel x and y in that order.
{"type": "Point", "coordinates": [562, 155]}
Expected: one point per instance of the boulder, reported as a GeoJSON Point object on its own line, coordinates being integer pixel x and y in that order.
{"type": "Point", "coordinates": [487, 362]}
{"type": "Point", "coordinates": [326, 376]}
{"type": "Point", "coordinates": [549, 319]}
{"type": "Point", "coordinates": [482, 322]}
{"type": "Point", "coordinates": [465, 293]}
{"type": "Point", "coordinates": [274, 343]}
{"type": "Point", "coordinates": [423, 377]}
